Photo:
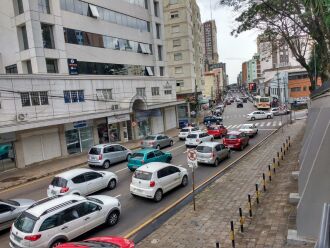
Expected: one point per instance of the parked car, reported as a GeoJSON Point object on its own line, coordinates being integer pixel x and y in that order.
{"type": "Point", "coordinates": [256, 115]}
{"type": "Point", "coordinates": [157, 141]}
{"type": "Point", "coordinates": [250, 129]}
{"type": "Point", "coordinates": [239, 104]}
{"type": "Point", "coordinates": [155, 179]}
{"type": "Point", "coordinates": [236, 140]}
{"type": "Point", "coordinates": [217, 131]}
{"type": "Point", "coordinates": [208, 120]}
{"type": "Point", "coordinates": [107, 154]}
{"type": "Point", "coordinates": [278, 111]}
{"type": "Point", "coordinates": [11, 209]}
{"type": "Point", "coordinates": [146, 156]}
{"type": "Point", "coordinates": [196, 138]}
{"type": "Point", "coordinates": [185, 131]}
{"type": "Point", "coordinates": [4, 151]}
{"type": "Point", "coordinates": [212, 153]}
{"type": "Point", "coordinates": [244, 99]}
{"type": "Point", "coordinates": [53, 221]}
{"type": "Point", "coordinates": [81, 182]}
{"type": "Point", "coordinates": [100, 242]}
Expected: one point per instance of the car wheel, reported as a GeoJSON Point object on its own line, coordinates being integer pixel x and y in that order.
{"type": "Point", "coordinates": [168, 160]}
{"type": "Point", "coordinates": [128, 157]}
{"type": "Point", "coordinates": [131, 169]}
{"type": "Point", "coordinates": [242, 147]}
{"type": "Point", "coordinates": [228, 154]}
{"type": "Point", "coordinates": [158, 195]}
{"type": "Point", "coordinates": [158, 147]}
{"type": "Point", "coordinates": [112, 184]}
{"type": "Point", "coordinates": [212, 139]}
{"type": "Point", "coordinates": [106, 164]}
{"type": "Point", "coordinates": [171, 143]}
{"type": "Point", "coordinates": [184, 181]}
{"type": "Point", "coordinates": [216, 162]}
{"type": "Point", "coordinates": [57, 243]}
{"type": "Point", "coordinates": [113, 218]}
{"type": "Point", "coordinates": [268, 116]}
{"type": "Point", "coordinates": [253, 118]}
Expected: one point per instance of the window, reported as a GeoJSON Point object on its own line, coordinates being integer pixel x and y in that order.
{"type": "Point", "coordinates": [155, 91]}
{"type": "Point", "coordinates": [89, 176]}
{"type": "Point", "coordinates": [176, 29]}
{"type": "Point", "coordinates": [176, 43]}
{"type": "Point", "coordinates": [141, 91]}
{"type": "Point", "coordinates": [173, 1]}
{"type": "Point", "coordinates": [23, 40]}
{"type": "Point", "coordinates": [296, 89]}
{"type": "Point", "coordinates": [178, 70]}
{"type": "Point", "coordinates": [11, 69]}
{"type": "Point", "coordinates": [78, 179]}
{"type": "Point", "coordinates": [43, 6]}
{"type": "Point", "coordinates": [168, 92]}
{"type": "Point", "coordinates": [163, 172]}
{"type": "Point", "coordinates": [47, 36]}
{"type": "Point", "coordinates": [177, 56]}
{"type": "Point", "coordinates": [150, 155]}
{"type": "Point", "coordinates": [179, 83]}
{"type": "Point", "coordinates": [5, 208]}
{"type": "Point", "coordinates": [160, 52]}
{"type": "Point", "coordinates": [51, 65]}
{"type": "Point", "coordinates": [161, 71]}
{"type": "Point", "coordinates": [104, 94]}
{"type": "Point", "coordinates": [158, 31]}
{"type": "Point", "coordinates": [51, 222]}
{"type": "Point", "coordinates": [18, 7]}
{"type": "Point", "coordinates": [174, 14]}
{"type": "Point", "coordinates": [149, 71]}
{"type": "Point", "coordinates": [156, 8]}
{"type": "Point", "coordinates": [93, 11]}
{"type": "Point", "coordinates": [305, 88]}
{"type": "Point", "coordinates": [34, 98]}
{"type": "Point", "coordinates": [71, 96]}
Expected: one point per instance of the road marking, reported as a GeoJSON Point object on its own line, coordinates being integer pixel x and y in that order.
{"type": "Point", "coordinates": [176, 148]}
{"type": "Point", "coordinates": [268, 129]}
{"type": "Point", "coordinates": [234, 126]}
{"type": "Point", "coordinates": [229, 126]}
{"type": "Point", "coordinates": [117, 196]}
{"type": "Point", "coordinates": [180, 165]}
{"type": "Point", "coordinates": [280, 123]}
{"type": "Point", "coordinates": [257, 124]}
{"type": "Point", "coordinates": [239, 125]}
{"type": "Point", "coordinates": [274, 123]}
{"type": "Point", "coordinates": [262, 124]}
{"type": "Point", "coordinates": [268, 124]}
{"type": "Point", "coordinates": [121, 170]}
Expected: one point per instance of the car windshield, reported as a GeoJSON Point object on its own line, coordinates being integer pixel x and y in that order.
{"type": "Point", "coordinates": [231, 136]}
{"type": "Point", "coordinates": [59, 182]}
{"type": "Point", "coordinates": [150, 137]}
{"type": "Point", "coordinates": [10, 202]}
{"type": "Point", "coordinates": [137, 155]}
{"type": "Point", "coordinates": [143, 175]}
{"type": "Point", "coordinates": [95, 244]}
{"type": "Point", "coordinates": [94, 200]}
{"type": "Point", "coordinates": [212, 128]}
{"type": "Point", "coordinates": [25, 222]}
{"type": "Point", "coordinates": [95, 151]}
{"type": "Point", "coordinates": [192, 136]}
{"type": "Point", "coordinates": [184, 130]}
{"type": "Point", "coordinates": [204, 149]}
{"type": "Point", "coordinates": [246, 127]}
{"type": "Point", "coordinates": [264, 99]}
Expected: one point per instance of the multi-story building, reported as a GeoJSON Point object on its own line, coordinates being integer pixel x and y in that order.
{"type": "Point", "coordinates": [244, 73]}
{"type": "Point", "coordinates": [210, 46]}
{"type": "Point", "coordinates": [211, 85]}
{"type": "Point", "coordinates": [80, 73]}
{"type": "Point", "coordinates": [183, 35]}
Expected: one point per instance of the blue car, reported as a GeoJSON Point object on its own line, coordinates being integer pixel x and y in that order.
{"type": "Point", "coordinates": [145, 156]}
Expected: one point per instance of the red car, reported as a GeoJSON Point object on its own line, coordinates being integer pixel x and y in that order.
{"type": "Point", "coordinates": [101, 242]}
{"type": "Point", "coordinates": [218, 131]}
{"type": "Point", "coordinates": [236, 140]}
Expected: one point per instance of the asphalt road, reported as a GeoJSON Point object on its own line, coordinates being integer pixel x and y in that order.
{"type": "Point", "coordinates": [135, 211]}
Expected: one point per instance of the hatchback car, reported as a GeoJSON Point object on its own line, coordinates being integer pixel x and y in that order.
{"type": "Point", "coordinates": [208, 120]}
{"type": "Point", "coordinates": [236, 140]}
{"type": "Point", "coordinates": [239, 105]}
{"type": "Point", "coordinates": [155, 179]}
{"type": "Point", "coordinates": [217, 131]}
{"type": "Point", "coordinates": [107, 154]}
{"type": "Point", "coordinates": [81, 182]}
{"type": "Point", "coordinates": [56, 220]}
{"type": "Point", "coordinates": [145, 156]}
{"type": "Point", "coordinates": [250, 129]}
{"type": "Point", "coordinates": [11, 209]}
{"type": "Point", "coordinates": [212, 153]}
{"type": "Point", "coordinates": [185, 131]}
{"type": "Point", "coordinates": [100, 242]}
{"type": "Point", "coordinates": [259, 115]}
{"type": "Point", "coordinates": [157, 141]}
{"type": "Point", "coordinates": [196, 138]}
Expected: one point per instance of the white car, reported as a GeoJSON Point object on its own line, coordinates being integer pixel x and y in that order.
{"type": "Point", "coordinates": [154, 179]}
{"type": "Point", "coordinates": [55, 220]}
{"type": "Point", "coordinates": [81, 182]}
{"type": "Point", "coordinates": [196, 138]}
{"type": "Point", "coordinates": [249, 129]}
{"type": "Point", "coordinates": [256, 115]}
{"type": "Point", "coordinates": [184, 132]}
{"type": "Point", "coordinates": [11, 209]}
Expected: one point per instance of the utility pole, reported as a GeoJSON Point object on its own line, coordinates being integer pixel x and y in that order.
{"type": "Point", "coordinates": [196, 100]}
{"type": "Point", "coordinates": [278, 86]}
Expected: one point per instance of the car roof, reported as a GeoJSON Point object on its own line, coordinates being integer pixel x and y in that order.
{"type": "Point", "coordinates": [146, 150]}
{"type": "Point", "coordinates": [197, 132]}
{"type": "Point", "coordinates": [210, 144]}
{"type": "Point", "coordinates": [44, 206]}
{"type": "Point", "coordinates": [104, 145]}
{"type": "Point", "coordinates": [153, 166]}
{"type": "Point", "coordinates": [74, 172]}
{"type": "Point", "coordinates": [235, 132]}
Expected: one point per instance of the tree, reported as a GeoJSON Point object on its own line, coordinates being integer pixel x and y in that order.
{"type": "Point", "coordinates": [300, 23]}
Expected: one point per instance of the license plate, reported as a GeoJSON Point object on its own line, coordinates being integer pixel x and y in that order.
{"type": "Point", "coordinates": [230, 146]}
{"type": "Point", "coordinates": [18, 239]}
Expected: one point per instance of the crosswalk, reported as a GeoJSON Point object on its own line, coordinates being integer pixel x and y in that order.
{"type": "Point", "coordinates": [233, 116]}
{"type": "Point", "coordinates": [262, 125]}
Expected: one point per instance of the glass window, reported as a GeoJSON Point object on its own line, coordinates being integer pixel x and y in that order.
{"type": "Point", "coordinates": [50, 222]}
{"type": "Point", "coordinates": [43, 6]}
{"type": "Point", "coordinates": [51, 65]}
{"type": "Point", "coordinates": [74, 96]}
{"type": "Point", "coordinates": [70, 5]}
{"type": "Point", "coordinates": [59, 182]}
{"type": "Point", "coordinates": [86, 208]}
{"type": "Point", "coordinates": [150, 155]}
{"type": "Point", "coordinates": [155, 91]}
{"type": "Point", "coordinates": [67, 96]}
{"type": "Point", "coordinates": [25, 99]}
{"type": "Point", "coordinates": [163, 172]}
{"type": "Point", "coordinates": [25, 43]}
{"type": "Point", "coordinates": [72, 141]}
{"type": "Point", "coordinates": [18, 7]}
{"type": "Point", "coordinates": [11, 69]}
{"type": "Point", "coordinates": [35, 98]}
{"type": "Point", "coordinates": [25, 222]}
{"type": "Point", "coordinates": [69, 214]}
{"type": "Point", "coordinates": [142, 175]}
{"type": "Point", "coordinates": [121, 44]}
{"type": "Point", "coordinates": [78, 179]}
{"type": "Point", "coordinates": [89, 176]}
{"type": "Point", "coordinates": [158, 31]}
{"type": "Point", "coordinates": [81, 96]}
{"type": "Point", "coordinates": [47, 36]}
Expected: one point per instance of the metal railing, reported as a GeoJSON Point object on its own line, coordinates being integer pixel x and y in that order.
{"type": "Point", "coordinates": [324, 236]}
{"type": "Point", "coordinates": [324, 88]}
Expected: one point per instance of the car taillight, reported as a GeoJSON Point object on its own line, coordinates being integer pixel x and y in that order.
{"type": "Point", "coordinates": [64, 190]}
{"type": "Point", "coordinates": [213, 155]}
{"type": "Point", "coordinates": [142, 161]}
{"type": "Point", "coordinates": [100, 157]}
{"type": "Point", "coordinates": [152, 184]}
{"type": "Point", "coordinates": [33, 237]}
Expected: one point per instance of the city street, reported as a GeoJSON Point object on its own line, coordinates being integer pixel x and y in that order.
{"type": "Point", "coordinates": [136, 211]}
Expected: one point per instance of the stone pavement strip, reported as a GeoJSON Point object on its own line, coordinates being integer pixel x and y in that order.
{"type": "Point", "coordinates": [218, 204]}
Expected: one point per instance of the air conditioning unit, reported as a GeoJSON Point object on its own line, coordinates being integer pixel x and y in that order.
{"type": "Point", "coordinates": [21, 117]}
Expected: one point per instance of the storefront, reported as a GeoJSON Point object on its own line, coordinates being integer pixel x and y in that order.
{"type": "Point", "coordinates": [117, 128]}
{"type": "Point", "coordinates": [7, 151]}
{"type": "Point", "coordinates": [170, 118]}
{"type": "Point", "coordinates": [102, 131]}
{"type": "Point", "coordinates": [79, 136]}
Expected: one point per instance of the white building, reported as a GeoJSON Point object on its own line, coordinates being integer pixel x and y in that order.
{"type": "Point", "coordinates": [278, 87]}
{"type": "Point", "coordinates": [97, 75]}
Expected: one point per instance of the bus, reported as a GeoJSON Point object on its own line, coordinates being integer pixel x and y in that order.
{"type": "Point", "coordinates": [261, 102]}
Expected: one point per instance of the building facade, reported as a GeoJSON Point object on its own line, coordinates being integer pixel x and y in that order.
{"type": "Point", "coordinates": [210, 45]}
{"type": "Point", "coordinates": [244, 73]}
{"type": "Point", "coordinates": [81, 73]}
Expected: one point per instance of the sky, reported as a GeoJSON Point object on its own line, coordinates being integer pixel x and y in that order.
{"type": "Point", "coordinates": [233, 51]}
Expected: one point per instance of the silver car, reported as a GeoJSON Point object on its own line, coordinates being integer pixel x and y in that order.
{"type": "Point", "coordinates": [11, 209]}
{"type": "Point", "coordinates": [106, 154]}
{"type": "Point", "coordinates": [156, 141]}
{"type": "Point", "coordinates": [212, 153]}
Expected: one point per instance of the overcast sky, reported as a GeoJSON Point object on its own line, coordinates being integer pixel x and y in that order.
{"type": "Point", "coordinates": [233, 51]}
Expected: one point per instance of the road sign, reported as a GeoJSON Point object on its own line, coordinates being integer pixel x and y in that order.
{"type": "Point", "coordinates": [133, 124]}
{"type": "Point", "coordinates": [192, 158]}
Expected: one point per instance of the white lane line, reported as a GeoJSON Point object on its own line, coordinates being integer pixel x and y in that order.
{"type": "Point", "coordinates": [238, 126]}
{"type": "Point", "coordinates": [262, 124]}
{"type": "Point", "coordinates": [280, 123]}
{"type": "Point", "coordinates": [176, 148]}
{"type": "Point", "coordinates": [234, 126]}
{"type": "Point", "coordinates": [117, 196]}
{"type": "Point", "coordinates": [268, 124]}
{"type": "Point", "coordinates": [229, 126]}
{"type": "Point", "coordinates": [257, 124]}
{"type": "Point", "coordinates": [274, 123]}
{"type": "Point", "coordinates": [180, 165]}
{"type": "Point", "coordinates": [121, 170]}
{"type": "Point", "coordinates": [185, 151]}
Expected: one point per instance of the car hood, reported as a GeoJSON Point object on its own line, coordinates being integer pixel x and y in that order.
{"type": "Point", "coordinates": [107, 200]}
{"type": "Point", "coordinates": [24, 202]}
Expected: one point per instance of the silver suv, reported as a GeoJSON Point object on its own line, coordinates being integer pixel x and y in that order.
{"type": "Point", "coordinates": [212, 153]}
{"type": "Point", "coordinates": [107, 154]}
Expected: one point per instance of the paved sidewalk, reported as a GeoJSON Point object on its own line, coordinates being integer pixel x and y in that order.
{"type": "Point", "coordinates": [16, 176]}
{"type": "Point", "coordinates": [218, 204]}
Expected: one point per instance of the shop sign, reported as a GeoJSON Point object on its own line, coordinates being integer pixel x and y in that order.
{"type": "Point", "coordinates": [73, 66]}
{"type": "Point", "coordinates": [7, 137]}
{"type": "Point", "coordinates": [118, 118]}
{"type": "Point", "coordinates": [80, 124]}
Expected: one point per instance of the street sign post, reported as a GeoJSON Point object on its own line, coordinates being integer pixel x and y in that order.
{"type": "Point", "coordinates": [192, 162]}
